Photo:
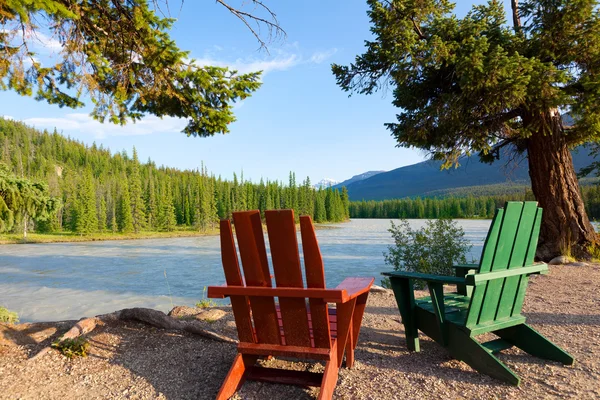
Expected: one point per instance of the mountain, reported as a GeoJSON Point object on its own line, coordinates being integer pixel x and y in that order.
{"type": "Point", "coordinates": [359, 177]}
{"type": "Point", "coordinates": [425, 178]}
{"type": "Point", "coordinates": [325, 183]}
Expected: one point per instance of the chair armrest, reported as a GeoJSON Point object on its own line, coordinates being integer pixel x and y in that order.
{"type": "Point", "coordinates": [540, 268]}
{"type": "Point", "coordinates": [356, 286]}
{"type": "Point", "coordinates": [450, 280]}
{"type": "Point", "coordinates": [327, 295]}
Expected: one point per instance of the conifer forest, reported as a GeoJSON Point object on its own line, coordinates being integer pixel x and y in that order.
{"type": "Point", "coordinates": [89, 189]}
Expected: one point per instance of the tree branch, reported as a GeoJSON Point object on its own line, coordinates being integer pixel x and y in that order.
{"type": "Point", "coordinates": [272, 24]}
{"type": "Point", "coordinates": [515, 14]}
{"type": "Point", "coordinates": [418, 30]}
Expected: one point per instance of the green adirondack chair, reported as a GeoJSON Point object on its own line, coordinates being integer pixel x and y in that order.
{"type": "Point", "coordinates": [489, 298]}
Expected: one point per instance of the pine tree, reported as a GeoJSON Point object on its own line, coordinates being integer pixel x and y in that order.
{"type": "Point", "coordinates": [167, 219]}
{"type": "Point", "coordinates": [125, 219]}
{"type": "Point", "coordinates": [138, 214]}
{"type": "Point", "coordinates": [86, 218]}
{"type": "Point", "coordinates": [102, 215]}
{"type": "Point", "coordinates": [152, 210]}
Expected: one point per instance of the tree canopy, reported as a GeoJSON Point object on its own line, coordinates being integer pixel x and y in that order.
{"type": "Point", "coordinates": [120, 55]}
{"type": "Point", "coordinates": [21, 199]}
{"type": "Point", "coordinates": [467, 84]}
{"type": "Point", "coordinates": [476, 84]}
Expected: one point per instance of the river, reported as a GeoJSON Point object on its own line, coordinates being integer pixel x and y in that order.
{"type": "Point", "coordinates": [58, 281]}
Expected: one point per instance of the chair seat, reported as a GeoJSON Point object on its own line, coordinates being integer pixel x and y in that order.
{"type": "Point", "coordinates": [456, 306]}
{"type": "Point", "coordinates": [332, 325]}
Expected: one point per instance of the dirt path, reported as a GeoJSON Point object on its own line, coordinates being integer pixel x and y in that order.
{"type": "Point", "coordinates": [133, 361]}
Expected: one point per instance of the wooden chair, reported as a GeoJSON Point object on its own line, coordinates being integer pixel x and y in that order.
{"type": "Point", "coordinates": [289, 327]}
{"type": "Point", "coordinates": [489, 298]}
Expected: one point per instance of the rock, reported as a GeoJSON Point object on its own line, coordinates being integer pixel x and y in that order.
{"type": "Point", "coordinates": [379, 289]}
{"type": "Point", "coordinates": [182, 311]}
{"type": "Point", "coordinates": [560, 260]}
{"type": "Point", "coordinates": [210, 314]}
{"type": "Point", "coordinates": [578, 264]}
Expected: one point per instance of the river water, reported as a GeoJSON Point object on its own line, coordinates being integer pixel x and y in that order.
{"type": "Point", "coordinates": [44, 282]}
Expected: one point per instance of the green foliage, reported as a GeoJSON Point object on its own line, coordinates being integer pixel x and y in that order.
{"type": "Point", "coordinates": [7, 316]}
{"type": "Point", "coordinates": [205, 302]}
{"type": "Point", "coordinates": [120, 54]}
{"type": "Point", "coordinates": [137, 206]}
{"type": "Point", "coordinates": [460, 207]}
{"type": "Point", "coordinates": [433, 249]}
{"type": "Point", "coordinates": [476, 84]}
{"type": "Point", "coordinates": [89, 182]}
{"type": "Point", "coordinates": [21, 200]}
{"type": "Point", "coordinates": [464, 84]}
{"type": "Point", "coordinates": [70, 348]}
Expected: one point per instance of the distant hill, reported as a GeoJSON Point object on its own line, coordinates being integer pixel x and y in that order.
{"type": "Point", "coordinates": [359, 177]}
{"type": "Point", "coordinates": [426, 180]}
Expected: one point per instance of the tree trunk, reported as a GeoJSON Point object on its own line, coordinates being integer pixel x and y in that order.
{"type": "Point", "coordinates": [566, 227]}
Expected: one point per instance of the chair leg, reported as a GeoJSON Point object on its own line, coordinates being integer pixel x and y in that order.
{"type": "Point", "coordinates": [350, 346]}
{"type": "Point", "coordinates": [236, 375]}
{"type": "Point", "coordinates": [403, 292]}
{"type": "Point", "coordinates": [529, 340]}
{"type": "Point", "coordinates": [465, 348]}
{"type": "Point", "coordinates": [344, 313]}
{"type": "Point", "coordinates": [330, 376]}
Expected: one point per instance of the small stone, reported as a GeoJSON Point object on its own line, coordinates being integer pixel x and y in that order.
{"type": "Point", "coordinates": [560, 260]}
{"type": "Point", "coordinates": [578, 264]}
{"type": "Point", "coordinates": [211, 314]}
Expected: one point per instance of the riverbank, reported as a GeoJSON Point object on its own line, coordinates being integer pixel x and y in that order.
{"type": "Point", "coordinates": [66, 237]}
{"type": "Point", "coordinates": [62, 237]}
{"type": "Point", "coordinates": [131, 360]}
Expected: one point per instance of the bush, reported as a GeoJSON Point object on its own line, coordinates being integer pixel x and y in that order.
{"type": "Point", "coordinates": [433, 249]}
{"type": "Point", "coordinates": [8, 316]}
{"type": "Point", "coordinates": [70, 348]}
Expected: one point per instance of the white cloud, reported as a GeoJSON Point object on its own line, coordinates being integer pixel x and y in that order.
{"type": "Point", "coordinates": [243, 66]}
{"type": "Point", "coordinates": [37, 40]}
{"type": "Point", "coordinates": [282, 61]}
{"type": "Point", "coordinates": [320, 56]}
{"type": "Point", "coordinates": [83, 123]}
{"type": "Point", "coordinates": [7, 117]}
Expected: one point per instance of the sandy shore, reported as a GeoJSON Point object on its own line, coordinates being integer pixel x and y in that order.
{"type": "Point", "coordinates": [133, 361]}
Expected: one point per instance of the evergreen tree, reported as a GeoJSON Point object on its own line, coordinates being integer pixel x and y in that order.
{"type": "Point", "coordinates": [109, 45]}
{"type": "Point", "coordinates": [102, 215]}
{"type": "Point", "coordinates": [167, 219]}
{"type": "Point", "coordinates": [86, 212]}
{"type": "Point", "coordinates": [138, 214]}
{"type": "Point", "coordinates": [151, 202]}
{"type": "Point", "coordinates": [473, 84]}
{"type": "Point", "coordinates": [125, 219]}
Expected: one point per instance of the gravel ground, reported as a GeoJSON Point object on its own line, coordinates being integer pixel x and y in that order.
{"type": "Point", "coordinates": [134, 361]}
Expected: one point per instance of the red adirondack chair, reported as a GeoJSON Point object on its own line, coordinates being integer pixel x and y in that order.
{"type": "Point", "coordinates": [288, 327]}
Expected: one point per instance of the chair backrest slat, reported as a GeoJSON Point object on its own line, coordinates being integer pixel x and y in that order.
{"type": "Point", "coordinates": [283, 241]}
{"type": "Point", "coordinates": [522, 284]}
{"type": "Point", "coordinates": [511, 244]}
{"type": "Point", "coordinates": [233, 277]}
{"type": "Point", "coordinates": [315, 278]}
{"type": "Point", "coordinates": [251, 242]}
{"type": "Point", "coordinates": [487, 257]}
{"type": "Point", "coordinates": [517, 260]}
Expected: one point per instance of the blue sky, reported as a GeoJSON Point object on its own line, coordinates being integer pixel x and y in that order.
{"type": "Point", "coordinates": [299, 120]}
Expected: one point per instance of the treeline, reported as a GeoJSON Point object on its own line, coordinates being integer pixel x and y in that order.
{"type": "Point", "coordinates": [457, 207]}
{"type": "Point", "coordinates": [100, 191]}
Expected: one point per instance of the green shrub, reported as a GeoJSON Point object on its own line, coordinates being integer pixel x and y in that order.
{"type": "Point", "coordinates": [73, 347]}
{"type": "Point", "coordinates": [205, 302]}
{"type": "Point", "coordinates": [8, 316]}
{"type": "Point", "coordinates": [433, 249]}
